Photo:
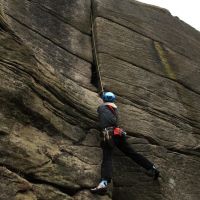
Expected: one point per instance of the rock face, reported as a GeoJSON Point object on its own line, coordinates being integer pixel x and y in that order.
{"type": "Point", "coordinates": [49, 136]}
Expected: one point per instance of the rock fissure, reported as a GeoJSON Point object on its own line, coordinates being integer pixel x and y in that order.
{"type": "Point", "coordinates": [148, 70]}
{"type": "Point", "coordinates": [168, 68]}
{"type": "Point", "coordinates": [157, 113]}
{"type": "Point", "coordinates": [131, 63]}
{"type": "Point", "coordinates": [133, 30]}
{"type": "Point", "coordinates": [187, 152]}
{"type": "Point", "coordinates": [51, 89]}
{"type": "Point", "coordinates": [146, 89]}
{"type": "Point", "coordinates": [43, 124]}
{"type": "Point", "coordinates": [59, 17]}
{"type": "Point", "coordinates": [146, 36]}
{"type": "Point", "coordinates": [152, 141]}
{"type": "Point", "coordinates": [95, 79]}
{"type": "Point", "coordinates": [78, 157]}
{"type": "Point", "coordinates": [45, 37]}
{"type": "Point", "coordinates": [33, 180]}
{"type": "Point", "coordinates": [139, 135]}
{"type": "Point", "coordinates": [65, 190]}
{"type": "Point", "coordinates": [36, 168]}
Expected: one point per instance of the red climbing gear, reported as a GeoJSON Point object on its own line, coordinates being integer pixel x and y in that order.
{"type": "Point", "coordinates": [118, 131]}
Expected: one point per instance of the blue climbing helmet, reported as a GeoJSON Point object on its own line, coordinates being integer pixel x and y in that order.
{"type": "Point", "coordinates": [108, 97]}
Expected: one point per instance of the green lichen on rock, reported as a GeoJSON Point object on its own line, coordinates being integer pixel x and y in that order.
{"type": "Point", "coordinates": [162, 56]}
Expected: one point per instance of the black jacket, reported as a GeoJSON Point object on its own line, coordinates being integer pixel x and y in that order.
{"type": "Point", "coordinates": [106, 117]}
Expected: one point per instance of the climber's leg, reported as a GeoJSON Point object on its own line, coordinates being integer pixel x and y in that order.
{"type": "Point", "coordinates": [106, 165]}
{"type": "Point", "coordinates": [125, 147]}
{"type": "Point", "coordinates": [106, 169]}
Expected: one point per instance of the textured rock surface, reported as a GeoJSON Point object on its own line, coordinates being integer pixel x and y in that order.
{"type": "Point", "coordinates": [156, 80]}
{"type": "Point", "coordinates": [49, 140]}
{"type": "Point", "coordinates": [13, 186]}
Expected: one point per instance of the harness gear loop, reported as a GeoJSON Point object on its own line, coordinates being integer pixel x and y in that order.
{"type": "Point", "coordinates": [107, 134]}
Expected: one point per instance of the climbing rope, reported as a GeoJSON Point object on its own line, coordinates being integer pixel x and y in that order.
{"type": "Point", "coordinates": [95, 54]}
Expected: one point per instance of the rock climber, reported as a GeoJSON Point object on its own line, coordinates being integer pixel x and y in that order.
{"type": "Point", "coordinates": [115, 136]}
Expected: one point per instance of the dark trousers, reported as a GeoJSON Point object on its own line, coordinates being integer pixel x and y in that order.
{"type": "Point", "coordinates": [122, 144]}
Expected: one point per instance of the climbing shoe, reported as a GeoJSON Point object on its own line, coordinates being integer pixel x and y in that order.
{"type": "Point", "coordinates": [101, 188]}
{"type": "Point", "coordinates": [153, 172]}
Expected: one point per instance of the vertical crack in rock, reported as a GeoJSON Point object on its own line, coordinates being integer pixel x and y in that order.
{"type": "Point", "coordinates": [94, 78]}
{"type": "Point", "coordinates": [96, 74]}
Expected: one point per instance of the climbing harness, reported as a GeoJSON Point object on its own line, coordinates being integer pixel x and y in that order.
{"type": "Point", "coordinates": [108, 137]}
{"type": "Point", "coordinates": [110, 132]}
{"type": "Point", "coordinates": [107, 133]}
{"type": "Point", "coordinates": [116, 131]}
{"type": "Point", "coordinates": [95, 53]}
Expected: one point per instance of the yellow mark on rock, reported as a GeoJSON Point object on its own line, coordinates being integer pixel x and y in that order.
{"type": "Point", "coordinates": [161, 53]}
